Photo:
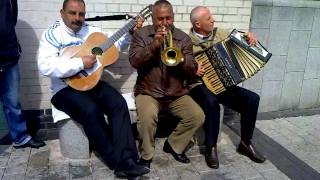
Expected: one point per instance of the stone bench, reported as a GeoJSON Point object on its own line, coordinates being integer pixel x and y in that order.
{"type": "Point", "coordinates": [75, 145]}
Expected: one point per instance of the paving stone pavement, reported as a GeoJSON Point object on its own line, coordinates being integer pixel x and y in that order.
{"type": "Point", "coordinates": [299, 135]}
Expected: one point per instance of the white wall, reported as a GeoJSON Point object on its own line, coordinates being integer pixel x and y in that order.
{"type": "Point", "coordinates": [36, 15]}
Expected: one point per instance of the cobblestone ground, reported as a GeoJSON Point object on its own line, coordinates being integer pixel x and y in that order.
{"type": "Point", "coordinates": [299, 135]}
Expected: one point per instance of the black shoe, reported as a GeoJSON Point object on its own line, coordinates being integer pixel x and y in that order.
{"type": "Point", "coordinates": [249, 150]}
{"type": "Point", "coordinates": [132, 170]}
{"type": "Point", "coordinates": [179, 157]}
{"type": "Point", "coordinates": [211, 157]}
{"type": "Point", "coordinates": [145, 163]}
{"type": "Point", "coordinates": [31, 143]}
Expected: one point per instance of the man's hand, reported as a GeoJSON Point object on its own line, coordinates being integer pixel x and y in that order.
{"type": "Point", "coordinates": [200, 71]}
{"type": "Point", "coordinates": [158, 38]}
{"type": "Point", "coordinates": [139, 24]}
{"type": "Point", "coordinates": [251, 39]}
{"type": "Point", "coordinates": [89, 61]}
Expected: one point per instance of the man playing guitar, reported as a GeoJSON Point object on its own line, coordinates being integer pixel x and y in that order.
{"type": "Point", "coordinates": [113, 141]}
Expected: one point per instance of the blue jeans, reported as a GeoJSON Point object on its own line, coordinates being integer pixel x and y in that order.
{"type": "Point", "coordinates": [9, 94]}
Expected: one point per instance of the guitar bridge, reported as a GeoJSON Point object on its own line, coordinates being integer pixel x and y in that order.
{"type": "Point", "coordinates": [96, 51]}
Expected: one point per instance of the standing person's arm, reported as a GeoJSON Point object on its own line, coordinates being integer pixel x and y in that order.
{"type": "Point", "coordinates": [14, 5]}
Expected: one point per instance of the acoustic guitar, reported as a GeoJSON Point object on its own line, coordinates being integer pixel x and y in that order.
{"type": "Point", "coordinates": [106, 53]}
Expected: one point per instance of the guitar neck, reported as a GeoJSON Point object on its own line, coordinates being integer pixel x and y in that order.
{"type": "Point", "coordinates": [116, 36]}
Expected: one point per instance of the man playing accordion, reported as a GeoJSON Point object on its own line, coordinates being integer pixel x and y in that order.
{"type": "Point", "coordinates": [204, 35]}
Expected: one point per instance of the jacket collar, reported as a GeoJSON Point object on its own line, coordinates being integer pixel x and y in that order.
{"type": "Point", "coordinates": [200, 36]}
{"type": "Point", "coordinates": [199, 39]}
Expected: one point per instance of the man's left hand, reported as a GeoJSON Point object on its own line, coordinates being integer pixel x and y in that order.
{"type": "Point", "coordinates": [139, 24]}
{"type": "Point", "coordinates": [251, 38]}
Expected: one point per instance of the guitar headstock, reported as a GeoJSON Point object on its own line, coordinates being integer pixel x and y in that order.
{"type": "Point", "coordinates": [145, 12]}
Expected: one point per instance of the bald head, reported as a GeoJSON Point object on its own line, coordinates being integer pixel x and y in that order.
{"type": "Point", "coordinates": [197, 13]}
{"type": "Point", "coordinates": [202, 20]}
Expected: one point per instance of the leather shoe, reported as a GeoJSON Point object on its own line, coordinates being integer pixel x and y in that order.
{"type": "Point", "coordinates": [179, 157]}
{"type": "Point", "coordinates": [132, 170]}
{"type": "Point", "coordinates": [249, 150]}
{"type": "Point", "coordinates": [145, 163]}
{"type": "Point", "coordinates": [32, 143]}
{"type": "Point", "coordinates": [211, 157]}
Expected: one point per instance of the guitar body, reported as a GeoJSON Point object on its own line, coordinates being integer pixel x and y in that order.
{"type": "Point", "coordinates": [106, 53]}
{"type": "Point", "coordinates": [109, 56]}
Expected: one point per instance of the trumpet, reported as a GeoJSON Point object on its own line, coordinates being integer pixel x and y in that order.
{"type": "Point", "coordinates": [170, 55]}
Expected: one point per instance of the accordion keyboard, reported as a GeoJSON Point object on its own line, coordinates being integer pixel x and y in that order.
{"type": "Point", "coordinates": [210, 78]}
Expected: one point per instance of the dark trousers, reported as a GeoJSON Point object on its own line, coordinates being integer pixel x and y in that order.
{"type": "Point", "coordinates": [237, 98]}
{"type": "Point", "coordinates": [113, 141]}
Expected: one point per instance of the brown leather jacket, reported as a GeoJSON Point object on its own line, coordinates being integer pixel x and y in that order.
{"type": "Point", "coordinates": [155, 78]}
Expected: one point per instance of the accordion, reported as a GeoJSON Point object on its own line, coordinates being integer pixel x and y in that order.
{"type": "Point", "coordinates": [231, 61]}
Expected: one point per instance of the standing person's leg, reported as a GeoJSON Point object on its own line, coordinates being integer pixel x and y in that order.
{"type": "Point", "coordinates": [115, 107]}
{"type": "Point", "coordinates": [9, 87]}
{"type": "Point", "coordinates": [210, 105]}
{"type": "Point", "coordinates": [192, 117]}
{"type": "Point", "coordinates": [246, 103]}
{"type": "Point", "coordinates": [11, 106]}
{"type": "Point", "coordinates": [147, 112]}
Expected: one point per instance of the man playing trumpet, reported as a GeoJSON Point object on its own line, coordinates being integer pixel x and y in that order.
{"type": "Point", "coordinates": [160, 86]}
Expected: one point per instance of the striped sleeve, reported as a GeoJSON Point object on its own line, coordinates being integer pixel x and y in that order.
{"type": "Point", "coordinates": [51, 39]}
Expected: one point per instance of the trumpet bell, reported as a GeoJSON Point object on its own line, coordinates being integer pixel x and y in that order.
{"type": "Point", "coordinates": [171, 56]}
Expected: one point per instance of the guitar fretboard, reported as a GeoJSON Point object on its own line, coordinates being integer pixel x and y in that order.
{"type": "Point", "coordinates": [116, 36]}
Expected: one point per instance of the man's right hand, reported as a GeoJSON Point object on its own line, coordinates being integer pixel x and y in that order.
{"type": "Point", "coordinates": [158, 38]}
{"type": "Point", "coordinates": [200, 71]}
{"type": "Point", "coordinates": [89, 61]}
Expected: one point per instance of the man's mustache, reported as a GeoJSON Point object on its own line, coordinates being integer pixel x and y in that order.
{"type": "Point", "coordinates": [78, 23]}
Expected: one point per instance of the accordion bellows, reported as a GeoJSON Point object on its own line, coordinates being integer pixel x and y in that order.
{"type": "Point", "coordinates": [231, 61]}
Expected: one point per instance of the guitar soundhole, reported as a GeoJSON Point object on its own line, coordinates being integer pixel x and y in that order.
{"type": "Point", "coordinates": [96, 51]}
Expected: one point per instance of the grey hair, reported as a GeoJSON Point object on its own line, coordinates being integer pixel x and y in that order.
{"type": "Point", "coordinates": [162, 3]}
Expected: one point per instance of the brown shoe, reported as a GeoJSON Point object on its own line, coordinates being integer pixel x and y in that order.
{"type": "Point", "coordinates": [211, 157]}
{"type": "Point", "coordinates": [250, 151]}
